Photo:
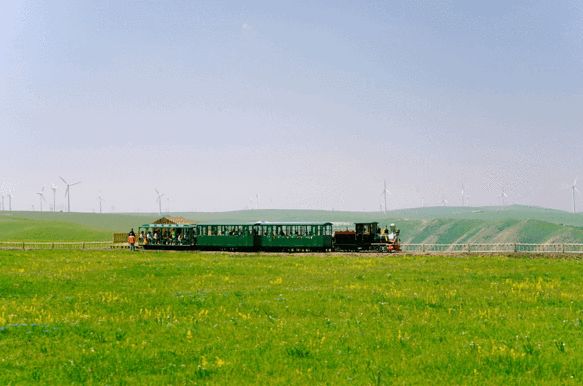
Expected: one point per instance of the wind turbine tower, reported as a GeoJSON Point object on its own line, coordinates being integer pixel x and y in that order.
{"type": "Point", "coordinates": [54, 189]}
{"type": "Point", "coordinates": [10, 201]}
{"type": "Point", "coordinates": [100, 201]}
{"type": "Point", "coordinates": [68, 192]}
{"type": "Point", "coordinates": [41, 198]}
{"type": "Point", "coordinates": [463, 196]}
{"type": "Point", "coordinates": [385, 192]}
{"type": "Point", "coordinates": [159, 199]}
{"type": "Point", "coordinates": [574, 190]}
{"type": "Point", "coordinates": [4, 191]}
{"type": "Point", "coordinates": [503, 197]}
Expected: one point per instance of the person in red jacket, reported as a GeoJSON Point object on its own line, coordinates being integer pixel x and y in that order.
{"type": "Point", "coordinates": [132, 241]}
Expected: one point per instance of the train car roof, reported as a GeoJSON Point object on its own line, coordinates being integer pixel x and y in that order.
{"type": "Point", "coordinates": [279, 223]}
{"type": "Point", "coordinates": [167, 225]}
{"type": "Point", "coordinates": [226, 224]}
{"type": "Point", "coordinates": [293, 223]}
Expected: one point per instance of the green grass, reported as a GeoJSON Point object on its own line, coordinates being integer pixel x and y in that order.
{"type": "Point", "coordinates": [173, 318]}
{"type": "Point", "coordinates": [17, 228]}
{"type": "Point", "coordinates": [513, 224]}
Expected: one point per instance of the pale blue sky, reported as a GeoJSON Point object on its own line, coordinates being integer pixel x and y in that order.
{"type": "Point", "coordinates": [308, 104]}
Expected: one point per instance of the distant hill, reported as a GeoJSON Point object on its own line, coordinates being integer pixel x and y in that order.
{"type": "Point", "coordinates": [420, 225]}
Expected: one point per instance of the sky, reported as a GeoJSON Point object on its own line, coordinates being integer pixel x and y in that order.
{"type": "Point", "coordinates": [228, 105]}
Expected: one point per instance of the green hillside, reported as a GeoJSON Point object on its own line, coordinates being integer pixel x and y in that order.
{"type": "Point", "coordinates": [442, 225]}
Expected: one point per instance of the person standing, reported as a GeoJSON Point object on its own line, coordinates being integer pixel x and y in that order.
{"type": "Point", "coordinates": [132, 242]}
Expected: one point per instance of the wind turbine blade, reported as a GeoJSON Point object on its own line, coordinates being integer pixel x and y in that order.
{"type": "Point", "coordinates": [76, 183]}
{"type": "Point", "coordinates": [62, 179]}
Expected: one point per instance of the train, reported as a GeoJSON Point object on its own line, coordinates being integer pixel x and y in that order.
{"type": "Point", "coordinates": [266, 236]}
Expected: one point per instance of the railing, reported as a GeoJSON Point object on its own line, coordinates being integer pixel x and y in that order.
{"type": "Point", "coordinates": [31, 245]}
{"type": "Point", "coordinates": [570, 248]}
{"type": "Point", "coordinates": [566, 248]}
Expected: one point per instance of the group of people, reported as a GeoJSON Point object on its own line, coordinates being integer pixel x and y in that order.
{"type": "Point", "coordinates": [166, 237]}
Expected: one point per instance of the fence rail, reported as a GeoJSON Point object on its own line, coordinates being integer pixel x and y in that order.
{"type": "Point", "coordinates": [570, 248]}
{"type": "Point", "coordinates": [31, 245]}
{"type": "Point", "coordinates": [566, 248]}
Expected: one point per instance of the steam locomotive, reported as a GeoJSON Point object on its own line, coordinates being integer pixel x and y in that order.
{"type": "Point", "coordinates": [270, 237]}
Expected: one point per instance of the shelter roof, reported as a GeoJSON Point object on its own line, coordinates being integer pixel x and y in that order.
{"type": "Point", "coordinates": [173, 220]}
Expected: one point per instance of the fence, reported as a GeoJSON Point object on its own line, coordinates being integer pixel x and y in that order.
{"type": "Point", "coordinates": [31, 245]}
{"type": "Point", "coordinates": [567, 248]}
{"type": "Point", "coordinates": [493, 248]}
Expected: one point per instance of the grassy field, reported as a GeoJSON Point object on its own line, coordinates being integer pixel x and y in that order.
{"type": "Point", "coordinates": [443, 225]}
{"type": "Point", "coordinates": [151, 318]}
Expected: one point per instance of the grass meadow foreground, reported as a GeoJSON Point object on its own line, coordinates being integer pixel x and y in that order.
{"type": "Point", "coordinates": [174, 318]}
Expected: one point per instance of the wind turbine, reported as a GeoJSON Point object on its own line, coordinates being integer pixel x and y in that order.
{"type": "Point", "coordinates": [3, 191]}
{"type": "Point", "coordinates": [503, 197]}
{"type": "Point", "coordinates": [444, 202]}
{"type": "Point", "coordinates": [68, 192]}
{"type": "Point", "coordinates": [159, 199]}
{"type": "Point", "coordinates": [463, 196]}
{"type": "Point", "coordinates": [41, 197]}
{"type": "Point", "coordinates": [384, 193]}
{"type": "Point", "coordinates": [574, 190]}
{"type": "Point", "coordinates": [100, 201]}
{"type": "Point", "coordinates": [54, 189]}
{"type": "Point", "coordinates": [10, 200]}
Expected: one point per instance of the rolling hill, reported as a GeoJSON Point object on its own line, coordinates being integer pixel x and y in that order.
{"type": "Point", "coordinates": [420, 225]}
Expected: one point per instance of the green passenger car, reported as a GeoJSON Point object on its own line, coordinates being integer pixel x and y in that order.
{"type": "Point", "coordinates": [228, 237]}
{"type": "Point", "coordinates": [292, 236]}
{"type": "Point", "coordinates": [167, 236]}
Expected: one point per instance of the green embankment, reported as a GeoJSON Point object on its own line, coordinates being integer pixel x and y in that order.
{"type": "Point", "coordinates": [427, 225]}
{"type": "Point", "coordinates": [199, 318]}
